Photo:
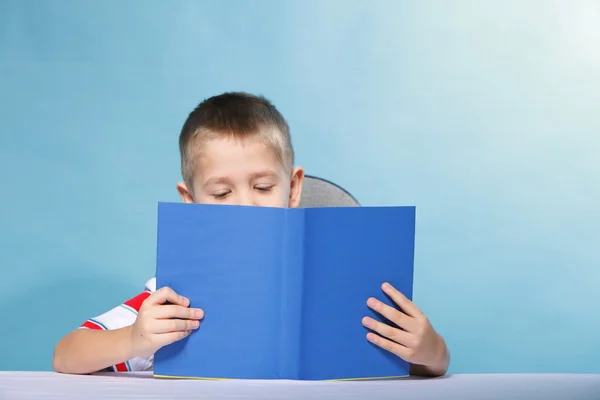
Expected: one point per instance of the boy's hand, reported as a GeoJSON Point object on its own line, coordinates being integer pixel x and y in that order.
{"type": "Point", "coordinates": [159, 324]}
{"type": "Point", "coordinates": [416, 341]}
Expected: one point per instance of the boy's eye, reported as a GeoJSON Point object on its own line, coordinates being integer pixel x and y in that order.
{"type": "Point", "coordinates": [220, 195]}
{"type": "Point", "coordinates": [264, 188]}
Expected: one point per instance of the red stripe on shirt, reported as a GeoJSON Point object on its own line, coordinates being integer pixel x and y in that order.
{"type": "Point", "coordinates": [92, 325]}
{"type": "Point", "coordinates": [136, 302]}
{"type": "Point", "coordinates": [121, 367]}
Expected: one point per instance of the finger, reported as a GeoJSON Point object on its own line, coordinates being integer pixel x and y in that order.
{"type": "Point", "coordinates": [166, 294]}
{"type": "Point", "coordinates": [171, 337]}
{"type": "Point", "coordinates": [395, 334]}
{"type": "Point", "coordinates": [393, 315]}
{"type": "Point", "coordinates": [175, 311]}
{"type": "Point", "coordinates": [402, 301]}
{"type": "Point", "coordinates": [401, 351]}
{"type": "Point", "coordinates": [174, 325]}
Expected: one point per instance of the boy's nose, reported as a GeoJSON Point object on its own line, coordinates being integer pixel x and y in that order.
{"type": "Point", "coordinates": [245, 199]}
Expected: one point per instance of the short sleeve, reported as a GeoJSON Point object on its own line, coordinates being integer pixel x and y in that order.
{"type": "Point", "coordinates": [121, 316]}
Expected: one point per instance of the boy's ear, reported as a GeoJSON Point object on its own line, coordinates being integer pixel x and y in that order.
{"type": "Point", "coordinates": [296, 187]}
{"type": "Point", "coordinates": [185, 193]}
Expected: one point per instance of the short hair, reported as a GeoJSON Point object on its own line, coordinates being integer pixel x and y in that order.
{"type": "Point", "coordinates": [234, 115]}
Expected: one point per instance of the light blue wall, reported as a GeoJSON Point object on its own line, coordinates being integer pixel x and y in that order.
{"type": "Point", "coordinates": [485, 115]}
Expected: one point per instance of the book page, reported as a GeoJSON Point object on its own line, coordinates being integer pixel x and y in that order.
{"type": "Point", "coordinates": [349, 254]}
{"type": "Point", "coordinates": [227, 261]}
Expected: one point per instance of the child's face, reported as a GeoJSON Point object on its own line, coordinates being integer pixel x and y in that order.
{"type": "Point", "coordinates": [242, 172]}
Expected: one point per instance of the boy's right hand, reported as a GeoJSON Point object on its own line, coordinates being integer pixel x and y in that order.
{"type": "Point", "coordinates": [159, 324]}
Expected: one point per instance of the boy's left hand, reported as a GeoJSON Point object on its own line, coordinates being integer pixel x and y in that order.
{"type": "Point", "coordinates": [416, 342]}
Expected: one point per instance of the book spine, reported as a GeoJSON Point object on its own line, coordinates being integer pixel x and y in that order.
{"type": "Point", "coordinates": [292, 274]}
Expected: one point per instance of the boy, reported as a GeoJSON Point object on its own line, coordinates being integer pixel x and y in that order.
{"type": "Point", "coordinates": [235, 149]}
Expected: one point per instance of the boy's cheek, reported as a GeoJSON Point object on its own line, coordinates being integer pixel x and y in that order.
{"type": "Point", "coordinates": [279, 198]}
{"type": "Point", "coordinates": [279, 201]}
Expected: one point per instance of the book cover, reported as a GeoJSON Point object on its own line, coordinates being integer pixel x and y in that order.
{"type": "Point", "coordinates": [283, 290]}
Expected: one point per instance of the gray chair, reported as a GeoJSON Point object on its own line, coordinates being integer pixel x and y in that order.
{"type": "Point", "coordinates": [318, 192]}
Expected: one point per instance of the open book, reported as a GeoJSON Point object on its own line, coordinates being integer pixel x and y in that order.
{"type": "Point", "coordinates": [283, 290]}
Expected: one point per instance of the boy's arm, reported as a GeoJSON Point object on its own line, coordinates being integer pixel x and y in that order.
{"type": "Point", "coordinates": [85, 351]}
{"type": "Point", "coordinates": [125, 339]}
{"type": "Point", "coordinates": [103, 342]}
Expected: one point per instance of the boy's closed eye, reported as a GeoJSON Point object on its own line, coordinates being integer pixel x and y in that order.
{"type": "Point", "coordinates": [264, 188]}
{"type": "Point", "coordinates": [221, 195]}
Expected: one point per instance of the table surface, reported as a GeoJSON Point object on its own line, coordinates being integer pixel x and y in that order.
{"type": "Point", "coordinates": [16, 385]}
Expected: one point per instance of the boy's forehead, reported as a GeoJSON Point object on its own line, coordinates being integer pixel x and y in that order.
{"type": "Point", "coordinates": [228, 147]}
{"type": "Point", "coordinates": [236, 156]}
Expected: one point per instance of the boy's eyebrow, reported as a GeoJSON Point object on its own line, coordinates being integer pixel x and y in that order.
{"type": "Point", "coordinates": [216, 180]}
{"type": "Point", "coordinates": [267, 173]}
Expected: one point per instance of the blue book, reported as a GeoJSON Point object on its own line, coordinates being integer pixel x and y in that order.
{"type": "Point", "coordinates": [284, 291]}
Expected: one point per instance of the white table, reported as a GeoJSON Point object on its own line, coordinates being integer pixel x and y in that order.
{"type": "Point", "coordinates": [49, 385]}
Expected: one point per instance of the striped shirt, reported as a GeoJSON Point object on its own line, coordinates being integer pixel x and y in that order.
{"type": "Point", "coordinates": [121, 316]}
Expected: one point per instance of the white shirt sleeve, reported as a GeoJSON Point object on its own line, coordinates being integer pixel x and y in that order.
{"type": "Point", "coordinates": [121, 316]}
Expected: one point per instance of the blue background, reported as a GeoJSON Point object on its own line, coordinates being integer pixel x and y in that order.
{"type": "Point", "coordinates": [482, 114]}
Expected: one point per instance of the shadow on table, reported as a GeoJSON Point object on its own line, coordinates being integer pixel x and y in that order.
{"type": "Point", "coordinates": [130, 375]}
{"type": "Point", "coordinates": [408, 378]}
{"type": "Point", "coordinates": [148, 375]}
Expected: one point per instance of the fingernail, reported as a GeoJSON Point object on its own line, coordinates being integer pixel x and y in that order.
{"type": "Point", "coordinates": [371, 302]}
{"type": "Point", "coordinates": [366, 322]}
{"type": "Point", "coordinates": [370, 337]}
{"type": "Point", "coordinates": [386, 286]}
{"type": "Point", "coordinates": [199, 313]}
{"type": "Point", "coordinates": [195, 324]}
